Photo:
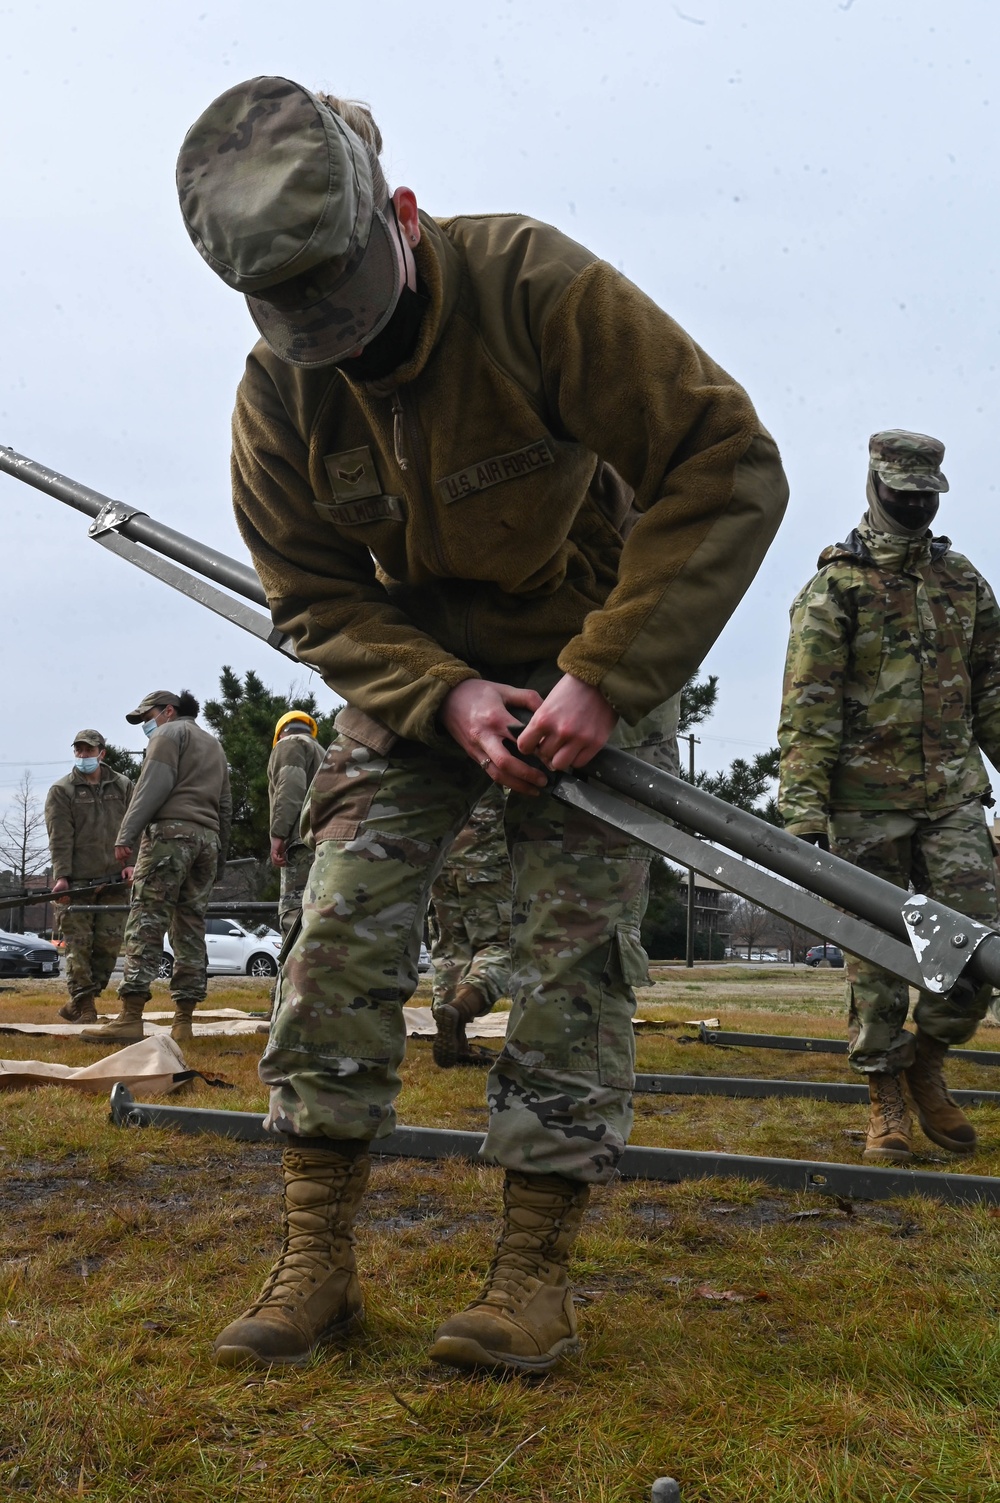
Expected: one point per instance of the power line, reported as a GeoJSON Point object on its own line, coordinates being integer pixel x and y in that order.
{"type": "Point", "coordinates": [56, 762]}
{"type": "Point", "coordinates": [734, 741]}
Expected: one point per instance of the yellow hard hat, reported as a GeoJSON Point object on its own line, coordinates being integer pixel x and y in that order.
{"type": "Point", "coordinates": [295, 715]}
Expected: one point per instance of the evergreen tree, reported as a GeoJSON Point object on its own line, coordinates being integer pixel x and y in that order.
{"type": "Point", "coordinates": [698, 698]}
{"type": "Point", "coordinates": [746, 784]}
{"type": "Point", "coordinates": [120, 760]}
{"type": "Point", "coordinates": [244, 718]}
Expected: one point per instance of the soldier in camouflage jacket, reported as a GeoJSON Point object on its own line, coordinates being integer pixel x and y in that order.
{"type": "Point", "coordinates": [892, 686]}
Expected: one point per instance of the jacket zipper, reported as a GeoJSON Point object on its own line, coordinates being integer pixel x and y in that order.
{"type": "Point", "coordinates": [405, 428]}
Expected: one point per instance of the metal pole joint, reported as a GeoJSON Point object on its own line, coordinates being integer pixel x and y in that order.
{"type": "Point", "coordinates": [113, 516]}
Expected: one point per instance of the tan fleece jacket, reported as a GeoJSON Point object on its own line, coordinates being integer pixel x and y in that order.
{"type": "Point", "coordinates": [467, 515]}
{"type": "Point", "coordinates": [81, 818]}
{"type": "Point", "coordinates": [184, 776]}
{"type": "Point", "coordinates": [291, 767]}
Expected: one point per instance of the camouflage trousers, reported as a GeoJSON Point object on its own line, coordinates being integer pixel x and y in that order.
{"type": "Point", "coordinates": [949, 857]}
{"type": "Point", "coordinates": [294, 876]}
{"type": "Point", "coordinates": [93, 943]}
{"type": "Point", "coordinates": [173, 882]}
{"type": "Point", "coordinates": [382, 813]}
{"type": "Point", "coordinates": [469, 923]}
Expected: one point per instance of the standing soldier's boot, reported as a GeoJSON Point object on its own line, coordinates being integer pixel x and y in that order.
{"type": "Point", "coordinates": [450, 1046]}
{"type": "Point", "coordinates": [181, 1026]}
{"type": "Point", "coordinates": [312, 1292]}
{"type": "Point", "coordinates": [524, 1318]}
{"type": "Point", "coordinates": [941, 1118]}
{"type": "Point", "coordinates": [79, 1010]}
{"type": "Point", "coordinates": [889, 1125]}
{"type": "Point", "coordinates": [126, 1028]}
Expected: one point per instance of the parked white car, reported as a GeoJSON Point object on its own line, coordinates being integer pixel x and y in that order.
{"type": "Point", "coordinates": [232, 950]}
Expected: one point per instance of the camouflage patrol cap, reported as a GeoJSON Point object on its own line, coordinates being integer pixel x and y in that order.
{"type": "Point", "coordinates": [907, 461]}
{"type": "Point", "coordinates": [89, 738]}
{"type": "Point", "coordinates": [158, 700]}
{"type": "Point", "coordinates": [277, 194]}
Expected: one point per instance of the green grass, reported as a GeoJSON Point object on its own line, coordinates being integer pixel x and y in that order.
{"type": "Point", "coordinates": [862, 1363]}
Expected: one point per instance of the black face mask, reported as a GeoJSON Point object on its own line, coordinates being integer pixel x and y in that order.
{"type": "Point", "coordinates": [393, 345]}
{"type": "Point", "coordinates": [917, 512]}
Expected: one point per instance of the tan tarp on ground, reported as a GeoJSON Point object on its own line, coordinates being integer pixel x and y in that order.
{"type": "Point", "coordinates": [213, 1021]}
{"type": "Point", "coordinates": [229, 1021]}
{"type": "Point", "coordinates": [152, 1065]}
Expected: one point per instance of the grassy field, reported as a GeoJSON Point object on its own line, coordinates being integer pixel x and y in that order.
{"type": "Point", "coordinates": [753, 1344]}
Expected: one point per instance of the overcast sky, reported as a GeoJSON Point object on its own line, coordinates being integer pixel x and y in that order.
{"type": "Point", "coordinates": [808, 186]}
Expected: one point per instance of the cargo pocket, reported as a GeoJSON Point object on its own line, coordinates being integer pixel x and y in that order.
{"type": "Point", "coordinates": [344, 788]}
{"type": "Point", "coordinates": [627, 967]}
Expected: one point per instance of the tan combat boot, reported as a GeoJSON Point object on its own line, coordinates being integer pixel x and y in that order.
{"type": "Point", "coordinates": [79, 1010]}
{"type": "Point", "coordinates": [312, 1292]}
{"type": "Point", "coordinates": [449, 1046]}
{"type": "Point", "coordinates": [181, 1029]}
{"type": "Point", "coordinates": [126, 1028]}
{"type": "Point", "coordinates": [524, 1318]}
{"type": "Point", "coordinates": [940, 1116]}
{"type": "Point", "coordinates": [889, 1125]}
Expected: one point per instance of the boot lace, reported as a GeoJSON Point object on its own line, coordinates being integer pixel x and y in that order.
{"type": "Point", "coordinates": [529, 1250]}
{"type": "Point", "coordinates": [316, 1239]}
{"type": "Point", "coordinates": [927, 1081]}
{"type": "Point", "coordinates": [892, 1106]}
{"type": "Point", "coordinates": [894, 1113]}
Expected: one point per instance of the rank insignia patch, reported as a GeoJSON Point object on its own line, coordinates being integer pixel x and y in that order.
{"type": "Point", "coordinates": [352, 475]}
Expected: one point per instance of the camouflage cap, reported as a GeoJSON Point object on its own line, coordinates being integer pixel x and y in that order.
{"type": "Point", "coordinates": [158, 700]}
{"type": "Point", "coordinates": [277, 194]}
{"type": "Point", "coordinates": [89, 738]}
{"type": "Point", "coordinates": [907, 461]}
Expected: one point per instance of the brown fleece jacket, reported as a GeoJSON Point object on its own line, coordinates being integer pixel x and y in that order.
{"type": "Point", "coordinates": [468, 515]}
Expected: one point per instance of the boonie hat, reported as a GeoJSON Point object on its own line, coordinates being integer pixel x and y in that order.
{"type": "Point", "coordinates": [277, 194]}
{"type": "Point", "coordinates": [907, 461]}
{"type": "Point", "coordinates": [90, 738]}
{"type": "Point", "coordinates": [294, 717]}
{"type": "Point", "coordinates": [158, 700]}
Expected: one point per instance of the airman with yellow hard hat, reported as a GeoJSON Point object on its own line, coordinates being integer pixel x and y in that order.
{"type": "Point", "coordinates": [295, 756]}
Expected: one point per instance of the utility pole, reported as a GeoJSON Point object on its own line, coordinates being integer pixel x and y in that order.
{"type": "Point", "coordinates": [692, 742]}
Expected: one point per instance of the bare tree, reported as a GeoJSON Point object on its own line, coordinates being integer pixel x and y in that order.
{"type": "Point", "coordinates": [793, 937]}
{"type": "Point", "coordinates": [23, 842]}
{"type": "Point", "coordinates": [749, 925]}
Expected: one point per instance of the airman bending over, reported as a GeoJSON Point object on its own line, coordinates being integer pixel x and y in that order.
{"type": "Point", "coordinates": [436, 446]}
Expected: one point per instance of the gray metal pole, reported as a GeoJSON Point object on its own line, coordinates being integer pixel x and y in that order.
{"type": "Point", "coordinates": [766, 845]}
{"type": "Point", "coordinates": [143, 529]}
{"type": "Point", "coordinates": [689, 937]}
{"type": "Point", "coordinates": [877, 902]}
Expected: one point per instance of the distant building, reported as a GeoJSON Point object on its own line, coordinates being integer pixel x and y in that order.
{"type": "Point", "coordinates": [711, 913]}
{"type": "Point", "coordinates": [35, 918]}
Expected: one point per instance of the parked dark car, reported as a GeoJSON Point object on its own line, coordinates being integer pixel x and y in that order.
{"type": "Point", "coordinates": [26, 955]}
{"type": "Point", "coordinates": [833, 953]}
